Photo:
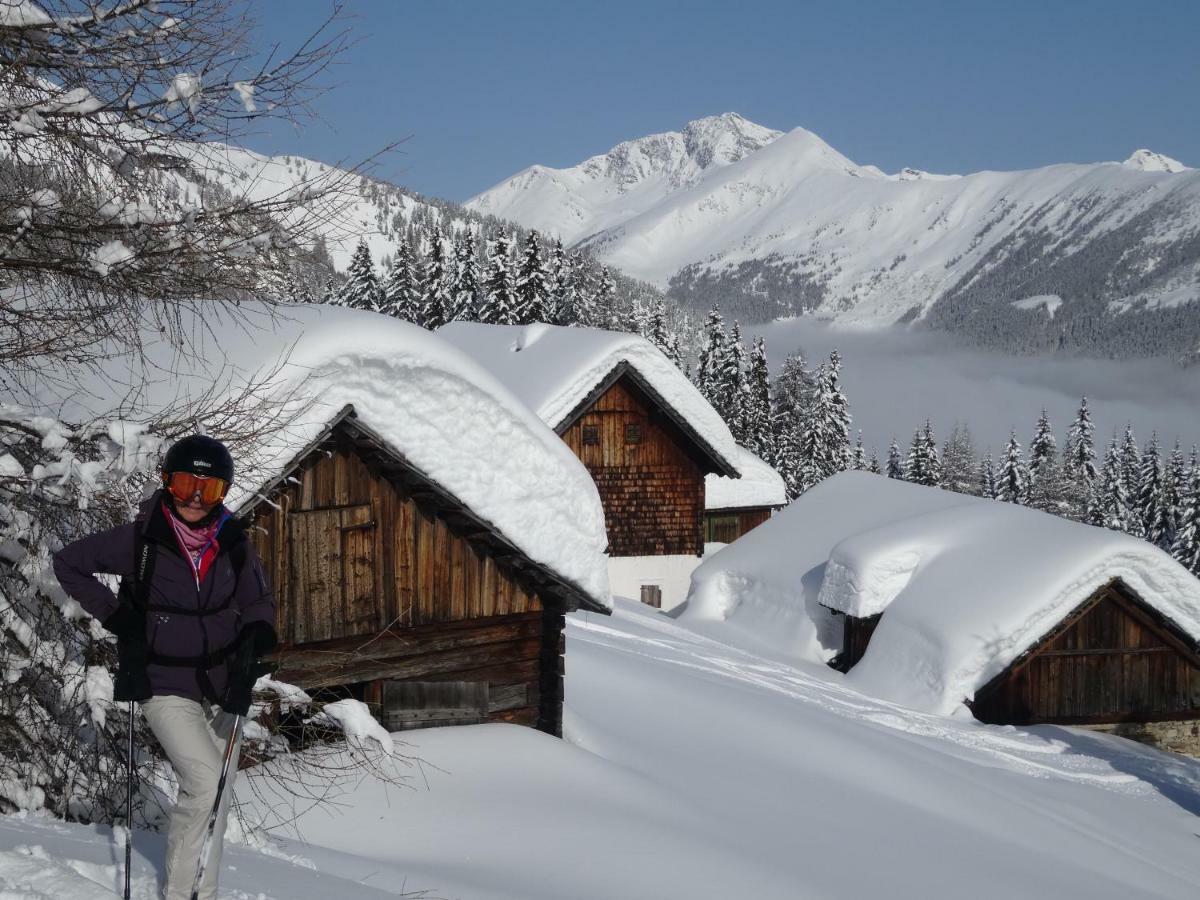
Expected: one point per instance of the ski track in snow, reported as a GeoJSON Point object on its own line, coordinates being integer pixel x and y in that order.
{"type": "Point", "coordinates": [1025, 751]}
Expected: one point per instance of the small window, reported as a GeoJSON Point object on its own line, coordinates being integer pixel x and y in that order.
{"type": "Point", "coordinates": [591, 435]}
{"type": "Point", "coordinates": [652, 595]}
{"type": "Point", "coordinates": [633, 434]}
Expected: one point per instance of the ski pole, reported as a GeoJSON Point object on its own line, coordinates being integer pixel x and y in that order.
{"type": "Point", "coordinates": [216, 807]}
{"type": "Point", "coordinates": [131, 775]}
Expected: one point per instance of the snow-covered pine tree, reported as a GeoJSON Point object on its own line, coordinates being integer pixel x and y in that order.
{"type": "Point", "coordinates": [401, 290]}
{"type": "Point", "coordinates": [562, 288]}
{"type": "Point", "coordinates": [987, 479]}
{"type": "Point", "coordinates": [465, 294]}
{"type": "Point", "coordinates": [1186, 546]}
{"type": "Point", "coordinates": [1131, 462]}
{"type": "Point", "coordinates": [657, 332]}
{"type": "Point", "coordinates": [500, 296]}
{"type": "Point", "coordinates": [712, 357]}
{"type": "Point", "coordinates": [895, 462]}
{"type": "Point", "coordinates": [1148, 504]}
{"type": "Point", "coordinates": [873, 465]}
{"type": "Point", "coordinates": [730, 384]}
{"type": "Point", "coordinates": [1043, 448]}
{"type": "Point", "coordinates": [361, 288]}
{"type": "Point", "coordinates": [606, 307]}
{"type": "Point", "coordinates": [858, 456]}
{"type": "Point", "coordinates": [533, 284]}
{"type": "Point", "coordinates": [758, 437]}
{"type": "Point", "coordinates": [1012, 482]}
{"type": "Point", "coordinates": [1051, 491]}
{"type": "Point", "coordinates": [329, 294]}
{"type": "Point", "coordinates": [1174, 488]}
{"type": "Point", "coordinates": [586, 281]}
{"type": "Point", "coordinates": [436, 302]}
{"type": "Point", "coordinates": [960, 470]}
{"type": "Point", "coordinates": [923, 465]}
{"type": "Point", "coordinates": [1079, 455]}
{"type": "Point", "coordinates": [1108, 506]}
{"type": "Point", "coordinates": [835, 419]}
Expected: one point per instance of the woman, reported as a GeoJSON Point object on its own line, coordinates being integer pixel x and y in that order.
{"type": "Point", "coordinates": [188, 630]}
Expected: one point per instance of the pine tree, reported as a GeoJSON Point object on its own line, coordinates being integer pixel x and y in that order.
{"type": "Point", "coordinates": [1173, 491]}
{"type": "Point", "coordinates": [1012, 483]}
{"type": "Point", "coordinates": [1079, 455]}
{"type": "Point", "coordinates": [730, 384]}
{"type": "Point", "coordinates": [1043, 449]}
{"type": "Point", "coordinates": [1131, 458]}
{"type": "Point", "coordinates": [464, 289]}
{"type": "Point", "coordinates": [873, 466]}
{"type": "Point", "coordinates": [923, 465]}
{"type": "Point", "coordinates": [712, 356]}
{"type": "Point", "coordinates": [895, 463]}
{"type": "Point", "coordinates": [987, 479]}
{"type": "Point", "coordinates": [361, 288]}
{"type": "Point", "coordinates": [562, 288]}
{"type": "Point", "coordinates": [759, 435]}
{"type": "Point", "coordinates": [500, 298]}
{"type": "Point", "coordinates": [586, 284]}
{"type": "Point", "coordinates": [960, 470]}
{"type": "Point", "coordinates": [1108, 506]}
{"type": "Point", "coordinates": [858, 456]}
{"type": "Point", "coordinates": [402, 290]}
{"type": "Point", "coordinates": [533, 284]}
{"type": "Point", "coordinates": [657, 332]}
{"type": "Point", "coordinates": [835, 416]}
{"type": "Point", "coordinates": [436, 302]}
{"type": "Point", "coordinates": [329, 296]}
{"type": "Point", "coordinates": [605, 306]}
{"type": "Point", "coordinates": [1186, 546]}
{"type": "Point", "coordinates": [1148, 504]}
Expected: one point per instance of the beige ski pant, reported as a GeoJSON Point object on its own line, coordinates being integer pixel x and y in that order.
{"type": "Point", "coordinates": [193, 736]}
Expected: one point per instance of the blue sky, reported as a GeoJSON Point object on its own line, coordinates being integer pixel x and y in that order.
{"type": "Point", "coordinates": [482, 90]}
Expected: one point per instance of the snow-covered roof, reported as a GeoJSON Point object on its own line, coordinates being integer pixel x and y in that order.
{"type": "Point", "coordinates": [555, 369]}
{"type": "Point", "coordinates": [966, 585]}
{"type": "Point", "coordinates": [760, 485]}
{"type": "Point", "coordinates": [442, 412]}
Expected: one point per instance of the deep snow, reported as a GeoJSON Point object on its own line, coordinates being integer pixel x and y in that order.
{"type": "Point", "coordinates": [695, 769]}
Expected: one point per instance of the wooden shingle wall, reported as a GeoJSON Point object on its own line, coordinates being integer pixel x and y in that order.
{"type": "Point", "coordinates": [651, 489]}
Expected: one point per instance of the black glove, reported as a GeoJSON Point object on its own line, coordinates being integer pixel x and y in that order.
{"type": "Point", "coordinates": [254, 640]}
{"type": "Point", "coordinates": [132, 682]}
{"type": "Point", "coordinates": [261, 635]}
{"type": "Point", "coordinates": [123, 622]}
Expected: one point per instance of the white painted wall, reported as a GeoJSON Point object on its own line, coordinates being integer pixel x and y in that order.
{"type": "Point", "coordinates": [673, 574]}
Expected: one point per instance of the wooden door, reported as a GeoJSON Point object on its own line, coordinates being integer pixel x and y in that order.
{"type": "Point", "coordinates": [332, 573]}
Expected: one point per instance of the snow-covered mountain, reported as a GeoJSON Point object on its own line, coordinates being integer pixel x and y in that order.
{"type": "Point", "coordinates": [772, 224]}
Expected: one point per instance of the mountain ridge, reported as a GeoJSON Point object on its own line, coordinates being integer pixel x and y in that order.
{"type": "Point", "coordinates": [789, 225]}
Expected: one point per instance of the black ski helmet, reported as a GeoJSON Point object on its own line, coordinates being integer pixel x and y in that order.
{"type": "Point", "coordinates": [200, 455]}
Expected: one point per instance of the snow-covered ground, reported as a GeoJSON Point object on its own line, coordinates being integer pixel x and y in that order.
{"type": "Point", "coordinates": [695, 769]}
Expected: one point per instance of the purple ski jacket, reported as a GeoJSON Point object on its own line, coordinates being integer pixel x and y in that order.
{"type": "Point", "coordinates": [228, 599]}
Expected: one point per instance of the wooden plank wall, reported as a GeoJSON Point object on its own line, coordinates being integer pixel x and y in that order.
{"type": "Point", "coordinates": [1112, 665]}
{"type": "Point", "coordinates": [652, 491]}
{"type": "Point", "coordinates": [405, 569]}
{"type": "Point", "coordinates": [856, 637]}
{"type": "Point", "coordinates": [372, 586]}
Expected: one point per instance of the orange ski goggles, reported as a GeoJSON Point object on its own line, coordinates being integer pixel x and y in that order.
{"type": "Point", "coordinates": [185, 487]}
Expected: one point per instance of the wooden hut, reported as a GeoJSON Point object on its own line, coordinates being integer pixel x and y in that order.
{"type": "Point", "coordinates": [393, 591]}
{"type": "Point", "coordinates": [639, 426]}
{"type": "Point", "coordinates": [1113, 659]}
{"type": "Point", "coordinates": [940, 601]}
{"type": "Point", "coordinates": [733, 507]}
